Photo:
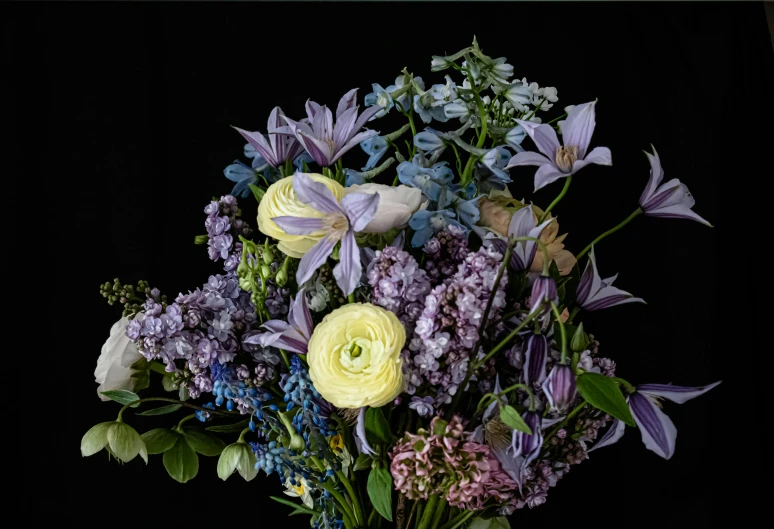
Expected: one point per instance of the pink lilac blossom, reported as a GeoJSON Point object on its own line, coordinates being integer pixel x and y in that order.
{"type": "Point", "coordinates": [449, 463]}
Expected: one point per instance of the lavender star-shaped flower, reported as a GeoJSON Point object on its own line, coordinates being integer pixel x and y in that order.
{"type": "Point", "coordinates": [595, 293]}
{"type": "Point", "coordinates": [560, 161]}
{"type": "Point", "coordinates": [325, 142]}
{"type": "Point", "coordinates": [671, 200]}
{"type": "Point", "coordinates": [279, 147]}
{"type": "Point", "coordinates": [340, 223]}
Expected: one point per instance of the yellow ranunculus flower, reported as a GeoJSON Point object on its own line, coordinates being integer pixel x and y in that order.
{"type": "Point", "coordinates": [280, 200]}
{"type": "Point", "coordinates": [354, 356]}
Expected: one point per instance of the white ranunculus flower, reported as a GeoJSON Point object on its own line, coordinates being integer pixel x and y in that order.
{"type": "Point", "coordinates": [396, 205]}
{"type": "Point", "coordinates": [114, 364]}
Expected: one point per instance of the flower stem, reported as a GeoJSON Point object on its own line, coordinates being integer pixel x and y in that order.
{"type": "Point", "coordinates": [427, 516]}
{"type": "Point", "coordinates": [459, 520]}
{"type": "Point", "coordinates": [346, 511]}
{"type": "Point", "coordinates": [559, 197]}
{"type": "Point", "coordinates": [186, 404]}
{"type": "Point", "coordinates": [185, 420]}
{"type": "Point", "coordinates": [626, 221]}
{"type": "Point", "coordinates": [561, 425]}
{"type": "Point", "coordinates": [507, 339]}
{"type": "Point", "coordinates": [562, 329]}
{"type": "Point", "coordinates": [507, 390]}
{"type": "Point", "coordinates": [438, 513]}
{"type": "Point", "coordinates": [351, 298]}
{"type": "Point", "coordinates": [347, 485]}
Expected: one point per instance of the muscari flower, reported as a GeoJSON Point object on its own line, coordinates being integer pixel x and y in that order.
{"type": "Point", "coordinates": [657, 429]}
{"type": "Point", "coordinates": [279, 147]}
{"type": "Point", "coordinates": [595, 293]}
{"type": "Point", "coordinates": [292, 335]}
{"type": "Point", "coordinates": [340, 222]}
{"type": "Point", "coordinates": [670, 200]}
{"type": "Point", "coordinates": [560, 161]}
{"type": "Point", "coordinates": [325, 142]}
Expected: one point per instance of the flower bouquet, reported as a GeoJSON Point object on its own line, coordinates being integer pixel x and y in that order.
{"type": "Point", "coordinates": [408, 355]}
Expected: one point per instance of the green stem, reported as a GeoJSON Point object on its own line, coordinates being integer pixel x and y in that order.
{"type": "Point", "coordinates": [438, 513]}
{"type": "Point", "coordinates": [561, 425]}
{"type": "Point", "coordinates": [626, 221]}
{"type": "Point", "coordinates": [459, 520]}
{"type": "Point", "coordinates": [347, 485]}
{"type": "Point", "coordinates": [562, 329]}
{"type": "Point", "coordinates": [556, 119]}
{"type": "Point", "coordinates": [184, 420]}
{"type": "Point", "coordinates": [186, 404]}
{"type": "Point", "coordinates": [342, 501]}
{"type": "Point", "coordinates": [351, 298]}
{"type": "Point", "coordinates": [427, 516]}
{"type": "Point", "coordinates": [507, 390]}
{"type": "Point", "coordinates": [497, 348]}
{"type": "Point", "coordinates": [285, 358]}
{"type": "Point", "coordinates": [559, 197]}
{"type": "Point", "coordinates": [535, 110]}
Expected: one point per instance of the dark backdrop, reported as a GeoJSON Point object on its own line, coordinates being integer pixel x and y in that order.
{"type": "Point", "coordinates": [132, 106]}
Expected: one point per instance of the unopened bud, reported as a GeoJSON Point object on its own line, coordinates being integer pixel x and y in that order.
{"type": "Point", "coordinates": [201, 239]}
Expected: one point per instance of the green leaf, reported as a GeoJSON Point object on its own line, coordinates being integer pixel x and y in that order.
{"type": "Point", "coordinates": [168, 383]}
{"type": "Point", "coordinates": [140, 365]}
{"type": "Point", "coordinates": [181, 461]}
{"type": "Point", "coordinates": [380, 491]}
{"type": "Point", "coordinates": [122, 396]}
{"type": "Point", "coordinates": [163, 410]}
{"type": "Point", "coordinates": [440, 428]}
{"type": "Point", "coordinates": [95, 439]}
{"type": "Point", "coordinates": [183, 393]}
{"type": "Point", "coordinates": [604, 394]}
{"type": "Point", "coordinates": [229, 428]}
{"type": "Point", "coordinates": [512, 418]}
{"type": "Point", "coordinates": [203, 442]}
{"type": "Point", "coordinates": [228, 460]}
{"type": "Point", "coordinates": [124, 441]}
{"type": "Point", "coordinates": [580, 340]}
{"type": "Point", "coordinates": [141, 380]}
{"type": "Point", "coordinates": [160, 440]}
{"type": "Point", "coordinates": [501, 522]}
{"type": "Point", "coordinates": [257, 192]}
{"type": "Point", "coordinates": [297, 507]}
{"type": "Point", "coordinates": [377, 427]}
{"type": "Point", "coordinates": [363, 461]}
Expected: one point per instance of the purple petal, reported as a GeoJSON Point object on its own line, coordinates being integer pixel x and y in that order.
{"type": "Point", "coordinates": [314, 259]}
{"type": "Point", "coordinates": [658, 430]}
{"type": "Point", "coordinates": [361, 433]}
{"type": "Point", "coordinates": [312, 109]}
{"type": "Point", "coordinates": [257, 140]}
{"type": "Point", "coordinates": [599, 156]}
{"type": "Point", "coordinates": [319, 150]}
{"type": "Point", "coordinates": [277, 142]}
{"type": "Point", "coordinates": [678, 212]}
{"type": "Point", "coordinates": [560, 388]}
{"type": "Point", "coordinates": [346, 102]}
{"type": "Point", "coordinates": [298, 225]}
{"type": "Point", "coordinates": [360, 209]}
{"type": "Point", "coordinates": [613, 434]}
{"type": "Point", "coordinates": [356, 140]}
{"type": "Point", "coordinates": [535, 359]}
{"type": "Point", "coordinates": [348, 271]}
{"type": "Point", "coordinates": [547, 174]}
{"type": "Point", "coordinates": [656, 175]}
{"type": "Point", "coordinates": [315, 194]}
{"type": "Point", "coordinates": [678, 394]}
{"type": "Point", "coordinates": [291, 340]}
{"type": "Point", "coordinates": [521, 222]}
{"type": "Point", "coordinates": [344, 125]}
{"type": "Point", "coordinates": [275, 326]}
{"type": "Point", "coordinates": [365, 117]}
{"type": "Point", "coordinates": [300, 315]}
{"type": "Point", "coordinates": [584, 286]}
{"type": "Point", "coordinates": [544, 137]}
{"type": "Point", "coordinates": [527, 158]}
{"type": "Point", "coordinates": [322, 124]}
{"type": "Point", "coordinates": [579, 127]}
{"type": "Point", "coordinates": [609, 297]}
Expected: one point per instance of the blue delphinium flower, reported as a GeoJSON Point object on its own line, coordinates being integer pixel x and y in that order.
{"type": "Point", "coordinates": [491, 172]}
{"type": "Point", "coordinates": [243, 176]}
{"type": "Point", "coordinates": [427, 179]}
{"type": "Point", "coordinates": [380, 98]}
{"type": "Point", "coordinates": [404, 101]}
{"type": "Point", "coordinates": [425, 223]}
{"type": "Point", "coordinates": [375, 148]}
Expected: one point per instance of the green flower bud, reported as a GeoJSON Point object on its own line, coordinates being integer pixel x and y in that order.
{"type": "Point", "coordinates": [201, 239]}
{"type": "Point", "coordinates": [268, 255]}
{"type": "Point", "coordinates": [118, 438]}
{"type": "Point", "coordinates": [282, 277]}
{"type": "Point", "coordinates": [245, 284]}
{"type": "Point", "coordinates": [266, 271]}
{"type": "Point", "coordinates": [239, 457]}
{"type": "Point", "coordinates": [297, 442]}
{"type": "Point", "coordinates": [580, 340]}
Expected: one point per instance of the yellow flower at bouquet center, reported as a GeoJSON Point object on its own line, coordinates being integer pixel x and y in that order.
{"type": "Point", "coordinates": [354, 356]}
{"type": "Point", "coordinates": [280, 200]}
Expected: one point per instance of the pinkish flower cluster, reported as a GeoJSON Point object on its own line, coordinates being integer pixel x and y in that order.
{"type": "Point", "coordinates": [446, 460]}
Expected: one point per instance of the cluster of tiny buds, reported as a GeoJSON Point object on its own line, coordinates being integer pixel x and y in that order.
{"type": "Point", "coordinates": [129, 296]}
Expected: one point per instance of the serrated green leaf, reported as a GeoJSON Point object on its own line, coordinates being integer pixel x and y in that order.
{"type": "Point", "coordinates": [377, 427]}
{"type": "Point", "coordinates": [181, 461]}
{"type": "Point", "coordinates": [604, 394]}
{"type": "Point", "coordinates": [122, 396]}
{"type": "Point", "coordinates": [95, 439]}
{"type": "Point", "coordinates": [511, 417]}
{"type": "Point", "coordinates": [163, 410]}
{"type": "Point", "coordinates": [380, 491]}
{"type": "Point", "coordinates": [363, 461]}
{"type": "Point", "coordinates": [160, 440]}
{"type": "Point", "coordinates": [204, 443]}
{"type": "Point", "coordinates": [229, 428]}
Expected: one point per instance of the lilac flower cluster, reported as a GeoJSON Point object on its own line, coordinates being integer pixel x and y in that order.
{"type": "Point", "coordinates": [447, 330]}
{"type": "Point", "coordinates": [450, 463]}
{"type": "Point", "coordinates": [223, 229]}
{"type": "Point", "coordinates": [445, 251]}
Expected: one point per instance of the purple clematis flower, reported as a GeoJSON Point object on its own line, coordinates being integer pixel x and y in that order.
{"type": "Point", "coordinates": [528, 445]}
{"type": "Point", "coordinates": [279, 147]}
{"type": "Point", "coordinates": [340, 223]}
{"type": "Point", "coordinates": [658, 430]}
{"type": "Point", "coordinates": [671, 200]}
{"type": "Point", "coordinates": [292, 335]}
{"type": "Point", "coordinates": [559, 161]}
{"type": "Point", "coordinates": [325, 142]}
{"type": "Point", "coordinates": [595, 293]}
{"type": "Point", "coordinates": [522, 224]}
{"type": "Point", "coordinates": [560, 388]}
{"type": "Point", "coordinates": [535, 359]}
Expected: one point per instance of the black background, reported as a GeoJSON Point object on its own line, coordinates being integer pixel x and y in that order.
{"type": "Point", "coordinates": [126, 114]}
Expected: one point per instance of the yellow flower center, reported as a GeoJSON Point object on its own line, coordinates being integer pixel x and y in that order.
{"type": "Point", "coordinates": [336, 441]}
{"type": "Point", "coordinates": [566, 156]}
{"type": "Point", "coordinates": [298, 489]}
{"type": "Point", "coordinates": [336, 225]}
{"type": "Point", "coordinates": [355, 356]}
